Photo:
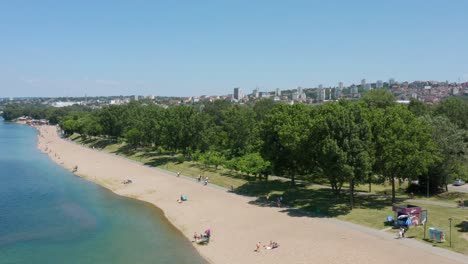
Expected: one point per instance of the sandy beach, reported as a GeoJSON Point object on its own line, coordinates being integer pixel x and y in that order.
{"type": "Point", "coordinates": [237, 225]}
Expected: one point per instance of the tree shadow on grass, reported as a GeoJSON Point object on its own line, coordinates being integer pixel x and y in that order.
{"type": "Point", "coordinates": [301, 201]}
{"type": "Point", "coordinates": [127, 150]}
{"type": "Point", "coordinates": [463, 226]}
{"type": "Point", "coordinates": [262, 188]}
{"type": "Point", "coordinates": [99, 143]}
{"type": "Point", "coordinates": [159, 161]}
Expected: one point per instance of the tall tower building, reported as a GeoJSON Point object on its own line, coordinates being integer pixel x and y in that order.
{"type": "Point", "coordinates": [363, 82]}
{"type": "Point", "coordinates": [278, 92]}
{"type": "Point", "coordinates": [379, 84]}
{"type": "Point", "coordinates": [238, 93]}
{"type": "Point", "coordinates": [391, 81]}
{"type": "Point", "coordinates": [340, 85]}
{"type": "Point", "coordinates": [321, 94]}
{"type": "Point", "coordinates": [299, 95]}
{"type": "Point", "coordinates": [255, 92]}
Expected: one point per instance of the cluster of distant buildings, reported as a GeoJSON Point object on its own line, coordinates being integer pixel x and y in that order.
{"type": "Point", "coordinates": [425, 91]}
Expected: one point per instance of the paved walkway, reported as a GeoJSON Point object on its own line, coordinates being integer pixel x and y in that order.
{"type": "Point", "coordinates": [463, 188]}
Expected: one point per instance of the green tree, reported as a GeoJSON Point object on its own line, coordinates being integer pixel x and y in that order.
{"type": "Point", "coordinates": [451, 148]}
{"type": "Point", "coordinates": [285, 133]}
{"type": "Point", "coordinates": [404, 148]}
{"type": "Point", "coordinates": [341, 141]}
{"type": "Point", "coordinates": [237, 129]}
{"type": "Point", "coordinates": [419, 108]}
{"type": "Point", "coordinates": [379, 98]}
{"type": "Point", "coordinates": [133, 136]}
{"type": "Point", "coordinates": [456, 110]}
{"type": "Point", "coordinates": [253, 164]}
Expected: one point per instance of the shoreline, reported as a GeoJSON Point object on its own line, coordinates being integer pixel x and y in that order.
{"type": "Point", "coordinates": [237, 225]}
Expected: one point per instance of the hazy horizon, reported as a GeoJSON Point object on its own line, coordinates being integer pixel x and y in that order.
{"type": "Point", "coordinates": [56, 49]}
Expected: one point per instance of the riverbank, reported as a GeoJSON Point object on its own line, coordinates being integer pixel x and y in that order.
{"type": "Point", "coordinates": [237, 225]}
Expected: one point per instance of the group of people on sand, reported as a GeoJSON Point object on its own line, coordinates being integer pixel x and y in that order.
{"type": "Point", "coordinates": [271, 245]}
{"type": "Point", "coordinates": [203, 238]}
{"type": "Point", "coordinates": [128, 181]}
{"type": "Point", "coordinates": [205, 182]}
{"type": "Point", "coordinates": [182, 198]}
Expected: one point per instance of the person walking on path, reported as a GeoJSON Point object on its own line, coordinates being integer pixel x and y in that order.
{"type": "Point", "coordinates": [279, 200]}
{"type": "Point", "coordinates": [178, 174]}
{"type": "Point", "coordinates": [199, 178]}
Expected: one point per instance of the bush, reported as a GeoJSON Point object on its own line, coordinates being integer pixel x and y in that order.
{"type": "Point", "coordinates": [180, 158]}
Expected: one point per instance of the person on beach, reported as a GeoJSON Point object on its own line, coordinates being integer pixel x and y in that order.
{"type": "Point", "coordinates": [258, 245]}
{"type": "Point", "coordinates": [272, 245]}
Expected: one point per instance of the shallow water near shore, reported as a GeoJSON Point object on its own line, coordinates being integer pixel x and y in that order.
{"type": "Point", "coordinates": [48, 215]}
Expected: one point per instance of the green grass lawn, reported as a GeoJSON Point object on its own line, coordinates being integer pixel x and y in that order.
{"type": "Point", "coordinates": [370, 210]}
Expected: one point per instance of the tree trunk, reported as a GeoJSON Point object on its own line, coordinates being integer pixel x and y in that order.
{"type": "Point", "coordinates": [446, 184]}
{"type": "Point", "coordinates": [393, 189]}
{"type": "Point", "coordinates": [293, 180]}
{"type": "Point", "coordinates": [370, 183]}
{"type": "Point", "coordinates": [351, 194]}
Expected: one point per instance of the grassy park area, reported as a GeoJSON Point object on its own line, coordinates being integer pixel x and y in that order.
{"type": "Point", "coordinates": [371, 208]}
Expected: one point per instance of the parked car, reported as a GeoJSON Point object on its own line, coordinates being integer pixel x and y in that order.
{"type": "Point", "coordinates": [458, 182]}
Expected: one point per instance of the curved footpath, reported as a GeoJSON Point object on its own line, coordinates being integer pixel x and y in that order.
{"type": "Point", "coordinates": [237, 225]}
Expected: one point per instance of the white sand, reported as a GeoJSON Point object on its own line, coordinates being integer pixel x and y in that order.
{"type": "Point", "coordinates": [237, 225]}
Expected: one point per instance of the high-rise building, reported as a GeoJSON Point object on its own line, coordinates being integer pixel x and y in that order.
{"type": "Point", "coordinates": [379, 84]}
{"type": "Point", "coordinates": [255, 92]}
{"type": "Point", "coordinates": [391, 81]}
{"type": "Point", "coordinates": [338, 92]}
{"type": "Point", "coordinates": [278, 92]}
{"type": "Point", "coordinates": [340, 85]}
{"type": "Point", "coordinates": [321, 94]}
{"type": "Point", "coordinates": [299, 95]}
{"type": "Point", "coordinates": [363, 82]}
{"type": "Point", "coordinates": [238, 93]}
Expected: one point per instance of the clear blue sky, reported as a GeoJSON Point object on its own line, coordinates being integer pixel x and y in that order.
{"type": "Point", "coordinates": [183, 48]}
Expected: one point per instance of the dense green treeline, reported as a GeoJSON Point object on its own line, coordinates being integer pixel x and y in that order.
{"type": "Point", "coordinates": [347, 143]}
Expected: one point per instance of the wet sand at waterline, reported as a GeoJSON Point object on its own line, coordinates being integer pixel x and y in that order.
{"type": "Point", "coordinates": [237, 225]}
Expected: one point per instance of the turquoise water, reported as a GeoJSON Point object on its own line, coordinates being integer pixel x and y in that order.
{"type": "Point", "coordinates": [47, 215]}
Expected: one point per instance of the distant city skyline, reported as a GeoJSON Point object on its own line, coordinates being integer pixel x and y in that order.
{"type": "Point", "coordinates": [210, 47]}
